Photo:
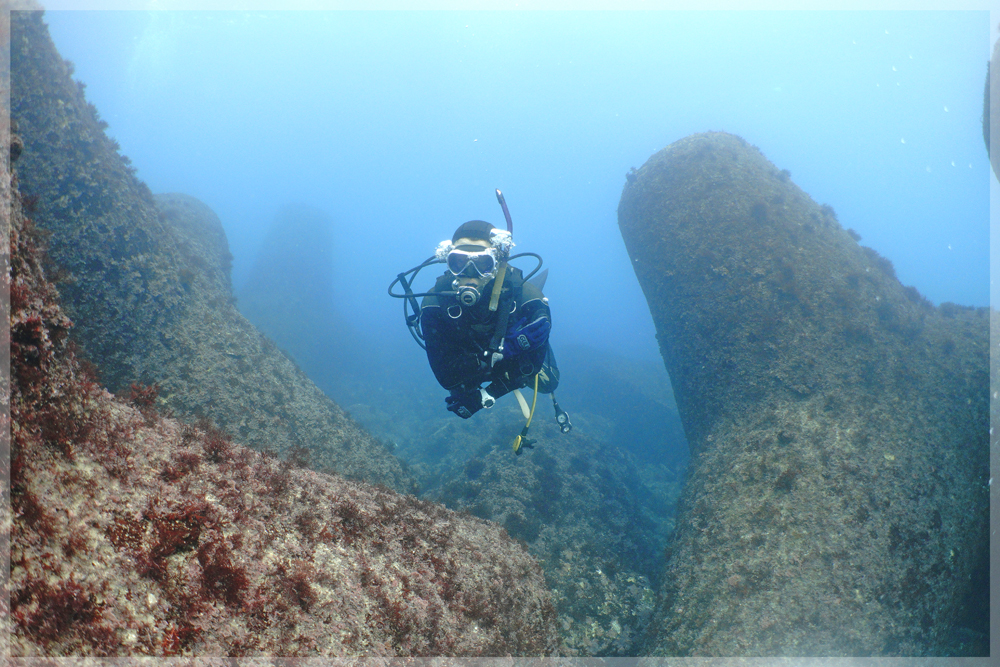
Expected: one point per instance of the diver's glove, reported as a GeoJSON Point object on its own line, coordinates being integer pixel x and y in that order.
{"type": "Point", "coordinates": [469, 403]}
{"type": "Point", "coordinates": [524, 335]}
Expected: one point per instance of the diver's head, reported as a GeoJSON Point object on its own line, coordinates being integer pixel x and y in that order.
{"type": "Point", "coordinates": [473, 257]}
{"type": "Point", "coordinates": [472, 253]}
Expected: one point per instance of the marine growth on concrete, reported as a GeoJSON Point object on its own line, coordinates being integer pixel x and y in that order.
{"type": "Point", "coordinates": [837, 499]}
{"type": "Point", "coordinates": [147, 281]}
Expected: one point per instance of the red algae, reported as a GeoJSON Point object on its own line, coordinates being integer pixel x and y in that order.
{"type": "Point", "coordinates": [134, 534]}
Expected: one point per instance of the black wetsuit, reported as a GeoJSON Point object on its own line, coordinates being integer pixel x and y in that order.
{"type": "Point", "coordinates": [458, 338]}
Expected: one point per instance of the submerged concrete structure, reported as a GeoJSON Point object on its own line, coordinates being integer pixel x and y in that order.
{"type": "Point", "coordinates": [147, 281]}
{"type": "Point", "coordinates": [836, 501]}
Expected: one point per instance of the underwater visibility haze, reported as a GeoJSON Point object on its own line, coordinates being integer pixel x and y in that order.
{"type": "Point", "coordinates": [399, 126]}
{"type": "Point", "coordinates": [339, 148]}
{"type": "Point", "coordinates": [396, 127]}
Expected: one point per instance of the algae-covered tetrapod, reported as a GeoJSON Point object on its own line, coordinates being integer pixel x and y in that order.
{"type": "Point", "coordinates": [836, 502]}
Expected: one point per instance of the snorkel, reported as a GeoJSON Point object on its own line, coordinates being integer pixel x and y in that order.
{"type": "Point", "coordinates": [502, 271]}
{"type": "Point", "coordinates": [506, 213]}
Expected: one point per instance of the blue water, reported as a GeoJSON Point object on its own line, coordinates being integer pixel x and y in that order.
{"type": "Point", "coordinates": [400, 126]}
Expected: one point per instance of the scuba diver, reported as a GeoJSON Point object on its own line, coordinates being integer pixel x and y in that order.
{"type": "Point", "coordinates": [484, 325]}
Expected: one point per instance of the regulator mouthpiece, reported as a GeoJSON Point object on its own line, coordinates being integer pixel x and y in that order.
{"type": "Point", "coordinates": [468, 295]}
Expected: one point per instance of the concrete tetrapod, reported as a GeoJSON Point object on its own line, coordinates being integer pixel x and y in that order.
{"type": "Point", "coordinates": [836, 501]}
{"type": "Point", "coordinates": [147, 281]}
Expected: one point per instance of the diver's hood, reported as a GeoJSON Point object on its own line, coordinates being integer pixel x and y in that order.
{"type": "Point", "coordinates": [500, 239]}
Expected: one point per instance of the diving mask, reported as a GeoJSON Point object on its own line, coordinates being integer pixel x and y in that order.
{"type": "Point", "coordinates": [483, 262]}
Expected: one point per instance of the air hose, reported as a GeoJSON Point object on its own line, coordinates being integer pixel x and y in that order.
{"type": "Point", "coordinates": [522, 441]}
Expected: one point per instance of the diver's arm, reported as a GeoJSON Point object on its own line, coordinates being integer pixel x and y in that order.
{"type": "Point", "coordinates": [529, 326]}
{"type": "Point", "coordinates": [525, 344]}
{"type": "Point", "coordinates": [450, 367]}
{"type": "Point", "coordinates": [440, 336]}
